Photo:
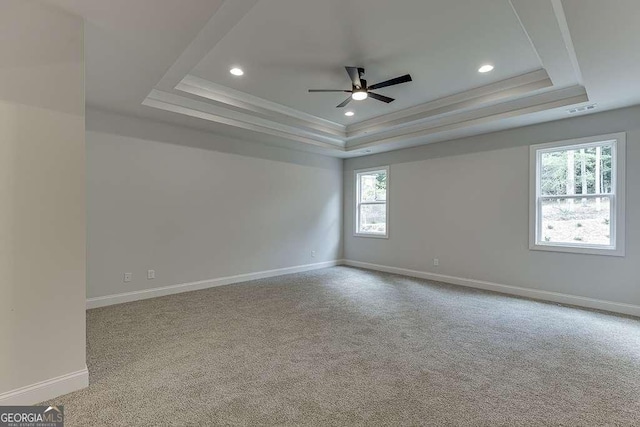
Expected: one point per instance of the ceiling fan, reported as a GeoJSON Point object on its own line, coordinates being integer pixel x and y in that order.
{"type": "Point", "coordinates": [360, 90]}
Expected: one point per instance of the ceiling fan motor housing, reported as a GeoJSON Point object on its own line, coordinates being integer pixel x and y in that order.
{"type": "Point", "coordinates": [360, 75]}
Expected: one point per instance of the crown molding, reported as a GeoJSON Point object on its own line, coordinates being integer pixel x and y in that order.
{"type": "Point", "coordinates": [513, 108]}
{"type": "Point", "coordinates": [190, 107]}
{"type": "Point", "coordinates": [455, 119]}
{"type": "Point", "coordinates": [508, 88]}
{"type": "Point", "coordinates": [235, 108]}
{"type": "Point", "coordinates": [230, 98]}
{"type": "Point", "coordinates": [259, 106]}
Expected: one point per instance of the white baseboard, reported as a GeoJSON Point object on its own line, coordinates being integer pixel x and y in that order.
{"type": "Point", "coordinates": [202, 284]}
{"type": "Point", "coordinates": [46, 390]}
{"type": "Point", "coordinates": [616, 307]}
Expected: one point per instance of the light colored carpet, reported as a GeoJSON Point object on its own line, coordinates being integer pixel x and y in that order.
{"type": "Point", "coordinates": [344, 346]}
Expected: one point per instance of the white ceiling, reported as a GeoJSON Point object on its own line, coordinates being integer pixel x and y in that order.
{"type": "Point", "coordinates": [130, 44]}
{"type": "Point", "coordinates": [169, 61]}
{"type": "Point", "coordinates": [606, 36]}
{"type": "Point", "coordinates": [289, 46]}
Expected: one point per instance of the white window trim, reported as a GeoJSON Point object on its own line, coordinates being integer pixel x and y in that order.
{"type": "Point", "coordinates": [356, 207]}
{"type": "Point", "coordinates": [618, 177]}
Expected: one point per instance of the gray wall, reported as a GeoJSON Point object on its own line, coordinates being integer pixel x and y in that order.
{"type": "Point", "coordinates": [42, 197]}
{"type": "Point", "coordinates": [195, 206]}
{"type": "Point", "coordinates": [466, 202]}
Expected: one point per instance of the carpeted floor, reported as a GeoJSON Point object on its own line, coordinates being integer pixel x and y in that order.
{"type": "Point", "coordinates": [344, 346]}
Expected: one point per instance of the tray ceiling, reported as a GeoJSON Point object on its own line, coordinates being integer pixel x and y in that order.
{"type": "Point", "coordinates": [288, 46]}
{"type": "Point", "coordinates": [170, 61]}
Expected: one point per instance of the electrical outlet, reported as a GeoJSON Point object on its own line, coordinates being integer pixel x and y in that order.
{"type": "Point", "coordinates": [151, 274]}
{"type": "Point", "coordinates": [313, 254]}
{"type": "Point", "coordinates": [436, 262]}
{"type": "Point", "coordinates": [128, 277]}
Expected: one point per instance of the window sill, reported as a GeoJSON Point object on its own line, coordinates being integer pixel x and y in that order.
{"type": "Point", "coordinates": [578, 250]}
{"type": "Point", "coordinates": [374, 236]}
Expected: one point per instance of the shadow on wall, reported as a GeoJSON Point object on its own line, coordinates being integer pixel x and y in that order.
{"type": "Point", "coordinates": [108, 122]}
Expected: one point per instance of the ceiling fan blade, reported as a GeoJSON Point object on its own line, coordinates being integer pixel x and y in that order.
{"type": "Point", "coordinates": [354, 75]}
{"type": "Point", "coordinates": [396, 81]}
{"type": "Point", "coordinates": [343, 103]}
{"type": "Point", "coordinates": [329, 90]}
{"type": "Point", "coordinates": [381, 97]}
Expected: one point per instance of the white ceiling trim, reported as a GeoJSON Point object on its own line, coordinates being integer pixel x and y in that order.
{"type": "Point", "coordinates": [190, 107]}
{"type": "Point", "coordinates": [235, 98]}
{"type": "Point", "coordinates": [457, 120]}
{"type": "Point", "coordinates": [543, 102]}
{"type": "Point", "coordinates": [508, 88]}
{"type": "Point", "coordinates": [232, 101]}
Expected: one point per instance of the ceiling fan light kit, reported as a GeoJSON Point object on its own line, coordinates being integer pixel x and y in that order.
{"type": "Point", "coordinates": [359, 89]}
{"type": "Point", "coordinates": [359, 95]}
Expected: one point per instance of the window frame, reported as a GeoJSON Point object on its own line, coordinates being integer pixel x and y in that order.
{"type": "Point", "coordinates": [617, 196]}
{"type": "Point", "coordinates": [357, 204]}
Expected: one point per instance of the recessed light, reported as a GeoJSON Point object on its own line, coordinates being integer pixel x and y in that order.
{"type": "Point", "coordinates": [236, 71]}
{"type": "Point", "coordinates": [349, 113]}
{"type": "Point", "coordinates": [359, 95]}
{"type": "Point", "coordinates": [485, 68]}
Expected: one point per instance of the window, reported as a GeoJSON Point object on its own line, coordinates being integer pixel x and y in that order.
{"type": "Point", "coordinates": [372, 212]}
{"type": "Point", "coordinates": [577, 196]}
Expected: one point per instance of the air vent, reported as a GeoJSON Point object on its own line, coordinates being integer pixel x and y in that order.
{"type": "Point", "coordinates": [582, 109]}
